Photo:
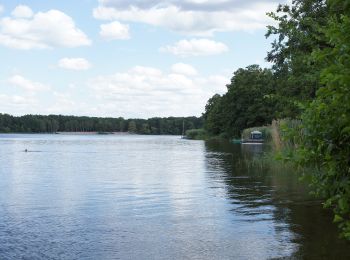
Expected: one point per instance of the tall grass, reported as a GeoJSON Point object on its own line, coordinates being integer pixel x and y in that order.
{"type": "Point", "coordinates": [287, 134]}
{"type": "Point", "coordinates": [197, 134]}
{"type": "Point", "coordinates": [283, 137]}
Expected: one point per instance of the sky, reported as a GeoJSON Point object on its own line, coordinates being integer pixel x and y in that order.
{"type": "Point", "coordinates": [135, 59]}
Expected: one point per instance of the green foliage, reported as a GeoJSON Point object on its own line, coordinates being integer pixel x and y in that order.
{"type": "Point", "coordinates": [196, 134]}
{"type": "Point", "coordinates": [313, 52]}
{"type": "Point", "coordinates": [297, 34]}
{"type": "Point", "coordinates": [145, 129]}
{"type": "Point", "coordinates": [247, 103]}
{"type": "Point", "coordinates": [213, 115]}
{"type": "Point", "coordinates": [59, 123]}
{"type": "Point", "coordinates": [326, 121]}
{"type": "Point", "coordinates": [132, 127]}
{"type": "Point", "coordinates": [310, 84]}
{"type": "Point", "coordinates": [291, 133]}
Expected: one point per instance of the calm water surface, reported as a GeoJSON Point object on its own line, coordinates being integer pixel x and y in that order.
{"type": "Point", "coordinates": [154, 197]}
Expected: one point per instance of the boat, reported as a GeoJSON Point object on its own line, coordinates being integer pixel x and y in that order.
{"type": "Point", "coordinates": [237, 141]}
{"type": "Point", "coordinates": [256, 137]}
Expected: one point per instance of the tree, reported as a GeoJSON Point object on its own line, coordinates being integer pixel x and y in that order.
{"type": "Point", "coordinates": [326, 121]}
{"type": "Point", "coordinates": [247, 103]}
{"type": "Point", "coordinates": [145, 129]}
{"type": "Point", "coordinates": [213, 115]}
{"type": "Point", "coordinates": [54, 123]}
{"type": "Point", "coordinates": [297, 35]}
{"type": "Point", "coordinates": [132, 127]}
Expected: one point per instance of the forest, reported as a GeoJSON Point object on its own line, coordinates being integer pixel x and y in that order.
{"type": "Point", "coordinates": [60, 123]}
{"type": "Point", "coordinates": [310, 82]}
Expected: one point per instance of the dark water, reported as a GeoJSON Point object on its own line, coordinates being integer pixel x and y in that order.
{"type": "Point", "coordinates": [154, 197]}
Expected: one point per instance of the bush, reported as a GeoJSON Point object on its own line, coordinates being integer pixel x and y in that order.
{"type": "Point", "coordinates": [196, 134]}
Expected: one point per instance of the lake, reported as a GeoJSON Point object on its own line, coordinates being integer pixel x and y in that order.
{"type": "Point", "coordinates": [154, 197]}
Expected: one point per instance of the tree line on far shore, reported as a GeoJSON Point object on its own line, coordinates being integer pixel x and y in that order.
{"type": "Point", "coordinates": [60, 123]}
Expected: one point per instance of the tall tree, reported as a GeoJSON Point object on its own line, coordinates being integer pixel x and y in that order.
{"type": "Point", "coordinates": [326, 121]}
{"type": "Point", "coordinates": [132, 127]}
{"type": "Point", "coordinates": [213, 115]}
{"type": "Point", "coordinates": [247, 103]}
{"type": "Point", "coordinates": [296, 35]}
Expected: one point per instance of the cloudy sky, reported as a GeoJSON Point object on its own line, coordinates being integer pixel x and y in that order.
{"type": "Point", "coordinates": [140, 58]}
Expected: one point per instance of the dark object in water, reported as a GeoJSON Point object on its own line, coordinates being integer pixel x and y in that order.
{"type": "Point", "coordinates": [26, 150]}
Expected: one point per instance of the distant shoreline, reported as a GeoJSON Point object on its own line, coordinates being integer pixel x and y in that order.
{"type": "Point", "coordinates": [93, 133]}
{"type": "Point", "coordinates": [82, 125]}
{"type": "Point", "coordinates": [73, 133]}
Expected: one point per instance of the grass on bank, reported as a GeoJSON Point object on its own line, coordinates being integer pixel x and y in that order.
{"type": "Point", "coordinates": [197, 134]}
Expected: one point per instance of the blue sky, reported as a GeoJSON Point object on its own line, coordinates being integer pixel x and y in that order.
{"type": "Point", "coordinates": [125, 58]}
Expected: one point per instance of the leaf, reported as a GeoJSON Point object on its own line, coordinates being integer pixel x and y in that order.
{"type": "Point", "coordinates": [345, 130]}
{"type": "Point", "coordinates": [337, 219]}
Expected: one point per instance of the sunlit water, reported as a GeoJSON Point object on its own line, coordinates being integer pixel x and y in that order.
{"type": "Point", "coordinates": [154, 197]}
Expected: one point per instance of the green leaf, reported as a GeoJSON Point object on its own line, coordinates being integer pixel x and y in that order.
{"type": "Point", "coordinates": [337, 219]}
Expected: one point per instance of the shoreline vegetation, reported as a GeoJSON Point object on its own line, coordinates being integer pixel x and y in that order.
{"type": "Point", "coordinates": [305, 95]}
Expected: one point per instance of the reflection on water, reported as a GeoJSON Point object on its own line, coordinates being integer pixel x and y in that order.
{"type": "Point", "coordinates": [275, 196]}
{"type": "Point", "coordinates": [154, 197]}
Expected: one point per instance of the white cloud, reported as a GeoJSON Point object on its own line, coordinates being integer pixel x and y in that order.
{"type": "Point", "coordinates": [18, 105]}
{"type": "Point", "coordinates": [26, 84]}
{"type": "Point", "coordinates": [18, 99]}
{"type": "Point", "coordinates": [115, 31]}
{"type": "Point", "coordinates": [140, 92]}
{"type": "Point", "coordinates": [44, 30]}
{"type": "Point", "coordinates": [63, 103]}
{"type": "Point", "coordinates": [146, 91]}
{"type": "Point", "coordinates": [22, 11]}
{"type": "Point", "coordinates": [195, 47]}
{"type": "Point", "coordinates": [1, 9]}
{"type": "Point", "coordinates": [74, 63]}
{"type": "Point", "coordinates": [195, 17]}
{"type": "Point", "coordinates": [13, 99]}
{"type": "Point", "coordinates": [185, 69]}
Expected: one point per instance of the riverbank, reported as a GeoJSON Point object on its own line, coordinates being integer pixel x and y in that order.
{"type": "Point", "coordinates": [323, 168]}
{"type": "Point", "coordinates": [282, 135]}
{"type": "Point", "coordinates": [93, 133]}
